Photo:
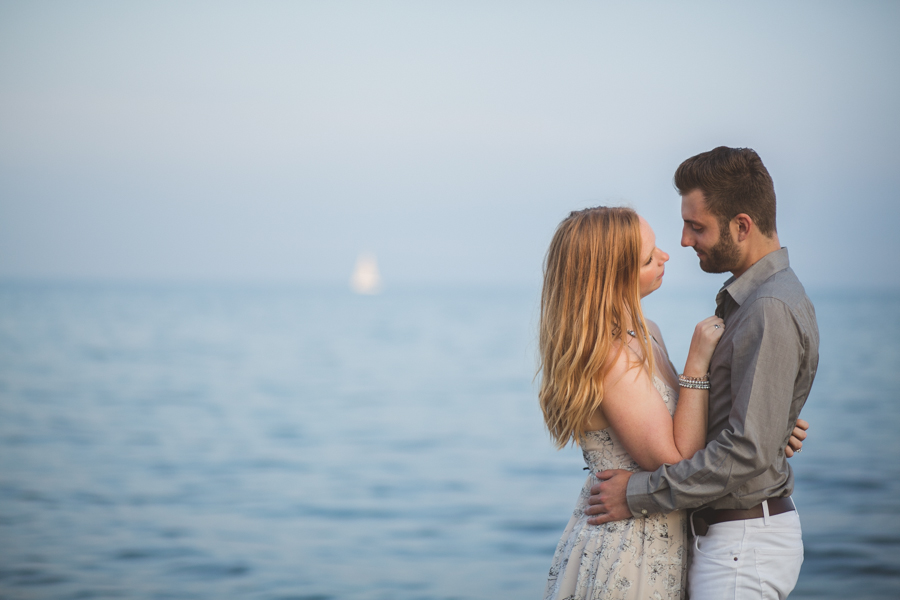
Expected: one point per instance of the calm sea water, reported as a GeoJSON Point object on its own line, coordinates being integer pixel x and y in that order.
{"type": "Point", "coordinates": [310, 444]}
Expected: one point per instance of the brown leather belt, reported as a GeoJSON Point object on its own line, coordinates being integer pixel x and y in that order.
{"type": "Point", "coordinates": [712, 516]}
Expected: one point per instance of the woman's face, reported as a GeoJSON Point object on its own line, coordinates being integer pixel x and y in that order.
{"type": "Point", "coordinates": [653, 260]}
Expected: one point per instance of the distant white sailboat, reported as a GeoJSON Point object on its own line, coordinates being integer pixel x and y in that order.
{"type": "Point", "coordinates": [365, 278]}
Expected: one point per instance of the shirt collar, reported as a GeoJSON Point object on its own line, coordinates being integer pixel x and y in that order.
{"type": "Point", "coordinates": [740, 288]}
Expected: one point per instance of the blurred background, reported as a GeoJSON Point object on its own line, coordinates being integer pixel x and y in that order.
{"type": "Point", "coordinates": [195, 403]}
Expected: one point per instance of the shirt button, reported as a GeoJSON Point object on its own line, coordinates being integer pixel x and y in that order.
{"type": "Point", "coordinates": [643, 511]}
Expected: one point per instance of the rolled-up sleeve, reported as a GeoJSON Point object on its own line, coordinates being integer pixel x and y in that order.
{"type": "Point", "coordinates": [766, 352]}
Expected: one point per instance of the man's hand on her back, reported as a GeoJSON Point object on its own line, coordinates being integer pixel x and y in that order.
{"type": "Point", "coordinates": [607, 502]}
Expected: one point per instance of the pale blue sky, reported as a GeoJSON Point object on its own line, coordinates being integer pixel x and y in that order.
{"type": "Point", "coordinates": [275, 141]}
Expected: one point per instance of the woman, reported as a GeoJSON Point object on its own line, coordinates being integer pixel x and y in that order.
{"type": "Point", "coordinates": [608, 385]}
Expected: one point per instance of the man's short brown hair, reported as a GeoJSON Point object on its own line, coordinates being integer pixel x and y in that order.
{"type": "Point", "coordinates": [733, 181]}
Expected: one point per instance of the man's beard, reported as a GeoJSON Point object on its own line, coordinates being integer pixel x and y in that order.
{"type": "Point", "coordinates": [724, 256]}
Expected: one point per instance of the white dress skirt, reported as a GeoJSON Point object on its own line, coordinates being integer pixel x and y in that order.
{"type": "Point", "coordinates": [635, 559]}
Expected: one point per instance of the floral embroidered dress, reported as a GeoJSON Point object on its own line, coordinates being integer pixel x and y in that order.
{"type": "Point", "coordinates": [635, 559]}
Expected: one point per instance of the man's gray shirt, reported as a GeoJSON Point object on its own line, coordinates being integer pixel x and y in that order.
{"type": "Point", "coordinates": [760, 376]}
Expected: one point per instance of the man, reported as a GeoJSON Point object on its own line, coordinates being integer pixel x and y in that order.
{"type": "Point", "coordinates": [747, 541]}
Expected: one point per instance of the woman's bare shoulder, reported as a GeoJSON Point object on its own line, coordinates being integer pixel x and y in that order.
{"type": "Point", "coordinates": [623, 359]}
{"type": "Point", "coordinates": [654, 329]}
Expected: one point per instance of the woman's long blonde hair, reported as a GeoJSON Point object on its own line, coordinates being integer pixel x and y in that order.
{"type": "Point", "coordinates": [591, 295]}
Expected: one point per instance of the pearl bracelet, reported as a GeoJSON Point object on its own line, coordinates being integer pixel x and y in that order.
{"type": "Point", "coordinates": [693, 383]}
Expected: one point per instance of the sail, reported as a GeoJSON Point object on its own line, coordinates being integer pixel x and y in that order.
{"type": "Point", "coordinates": [365, 278]}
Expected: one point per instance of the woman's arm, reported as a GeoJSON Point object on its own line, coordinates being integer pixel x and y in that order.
{"type": "Point", "coordinates": [693, 404]}
{"type": "Point", "coordinates": [640, 419]}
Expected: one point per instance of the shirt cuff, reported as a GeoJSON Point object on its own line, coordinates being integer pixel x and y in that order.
{"type": "Point", "coordinates": [637, 495]}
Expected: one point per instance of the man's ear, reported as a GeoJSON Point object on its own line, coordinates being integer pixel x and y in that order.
{"type": "Point", "coordinates": [744, 225]}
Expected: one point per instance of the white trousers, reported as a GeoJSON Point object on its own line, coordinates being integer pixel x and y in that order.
{"type": "Point", "coordinates": [742, 560]}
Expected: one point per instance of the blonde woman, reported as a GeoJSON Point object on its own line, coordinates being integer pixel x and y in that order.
{"type": "Point", "coordinates": [609, 386]}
